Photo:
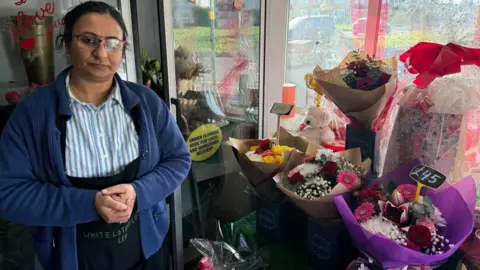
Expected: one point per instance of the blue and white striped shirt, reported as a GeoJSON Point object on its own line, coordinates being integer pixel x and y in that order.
{"type": "Point", "coordinates": [100, 140]}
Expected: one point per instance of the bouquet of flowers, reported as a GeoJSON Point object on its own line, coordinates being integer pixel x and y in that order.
{"type": "Point", "coordinates": [311, 181]}
{"type": "Point", "coordinates": [361, 86]}
{"type": "Point", "coordinates": [365, 73]}
{"type": "Point", "coordinates": [260, 160]}
{"type": "Point", "coordinates": [437, 119]}
{"type": "Point", "coordinates": [388, 221]}
{"type": "Point", "coordinates": [268, 152]}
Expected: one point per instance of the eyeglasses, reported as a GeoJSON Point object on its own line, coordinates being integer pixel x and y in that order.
{"type": "Point", "coordinates": [90, 42]}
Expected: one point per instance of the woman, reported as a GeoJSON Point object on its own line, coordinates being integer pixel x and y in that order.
{"type": "Point", "coordinates": [90, 159]}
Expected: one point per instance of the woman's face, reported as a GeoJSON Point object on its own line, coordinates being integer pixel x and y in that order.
{"type": "Point", "coordinates": [97, 62]}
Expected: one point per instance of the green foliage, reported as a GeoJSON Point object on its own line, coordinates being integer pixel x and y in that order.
{"type": "Point", "coordinates": [201, 16]}
{"type": "Point", "coordinates": [151, 71]}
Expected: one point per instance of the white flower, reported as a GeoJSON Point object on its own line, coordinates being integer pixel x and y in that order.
{"type": "Point", "coordinates": [363, 267]}
{"type": "Point", "coordinates": [324, 152]}
{"type": "Point", "coordinates": [437, 218]}
{"type": "Point", "coordinates": [308, 169]}
{"type": "Point", "coordinates": [254, 157]}
{"type": "Point", "coordinates": [380, 225]}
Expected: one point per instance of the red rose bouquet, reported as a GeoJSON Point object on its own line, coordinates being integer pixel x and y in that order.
{"type": "Point", "coordinates": [362, 87]}
{"type": "Point", "coordinates": [389, 222]}
{"type": "Point", "coordinates": [311, 181]}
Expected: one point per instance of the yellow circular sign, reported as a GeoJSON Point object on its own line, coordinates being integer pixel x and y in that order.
{"type": "Point", "coordinates": [204, 141]}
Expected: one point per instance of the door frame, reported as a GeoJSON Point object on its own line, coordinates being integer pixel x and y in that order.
{"type": "Point", "coordinates": [125, 10]}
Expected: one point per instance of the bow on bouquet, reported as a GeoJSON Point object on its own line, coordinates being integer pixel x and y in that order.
{"type": "Point", "coordinates": [438, 117]}
{"type": "Point", "coordinates": [432, 60]}
{"type": "Point", "coordinates": [388, 221]}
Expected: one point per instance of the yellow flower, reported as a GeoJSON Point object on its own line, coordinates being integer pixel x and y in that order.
{"type": "Point", "coordinates": [278, 159]}
{"type": "Point", "coordinates": [253, 148]}
{"type": "Point", "coordinates": [279, 149]}
{"type": "Point", "coordinates": [269, 159]}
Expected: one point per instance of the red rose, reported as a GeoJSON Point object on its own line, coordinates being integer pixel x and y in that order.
{"type": "Point", "coordinates": [295, 178]}
{"type": "Point", "coordinates": [420, 235]}
{"type": "Point", "coordinates": [12, 97]}
{"type": "Point", "coordinates": [411, 245]}
{"type": "Point", "coordinates": [352, 65]}
{"type": "Point", "coordinates": [330, 168]}
{"type": "Point", "coordinates": [361, 72]}
{"type": "Point", "coordinates": [264, 145]}
{"type": "Point", "coordinates": [365, 83]}
{"type": "Point", "coordinates": [205, 264]}
{"type": "Point", "coordinates": [366, 194]}
{"type": "Point", "coordinates": [384, 77]}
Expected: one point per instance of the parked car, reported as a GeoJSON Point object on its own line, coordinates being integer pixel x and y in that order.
{"type": "Point", "coordinates": [359, 27]}
{"type": "Point", "coordinates": [311, 28]}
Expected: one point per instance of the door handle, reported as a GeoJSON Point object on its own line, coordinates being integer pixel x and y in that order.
{"type": "Point", "coordinates": [178, 113]}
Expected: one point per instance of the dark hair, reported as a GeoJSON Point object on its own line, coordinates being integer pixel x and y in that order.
{"type": "Point", "coordinates": [65, 38]}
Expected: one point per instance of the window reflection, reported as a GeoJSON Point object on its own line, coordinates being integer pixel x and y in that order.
{"type": "Point", "coordinates": [321, 34]}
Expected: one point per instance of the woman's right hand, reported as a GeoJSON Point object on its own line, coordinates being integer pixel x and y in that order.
{"type": "Point", "coordinates": [110, 210]}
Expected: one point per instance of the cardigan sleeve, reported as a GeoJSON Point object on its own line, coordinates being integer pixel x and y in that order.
{"type": "Point", "coordinates": [25, 199]}
{"type": "Point", "coordinates": [173, 167]}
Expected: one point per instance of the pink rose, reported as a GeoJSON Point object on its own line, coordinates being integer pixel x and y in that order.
{"type": "Point", "coordinates": [408, 191]}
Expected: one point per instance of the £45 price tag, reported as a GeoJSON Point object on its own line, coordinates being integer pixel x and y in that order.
{"type": "Point", "coordinates": [427, 176]}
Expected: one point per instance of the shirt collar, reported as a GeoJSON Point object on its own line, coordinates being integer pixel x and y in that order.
{"type": "Point", "coordinates": [115, 96]}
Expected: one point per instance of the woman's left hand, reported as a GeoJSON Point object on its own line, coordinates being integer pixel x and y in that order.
{"type": "Point", "coordinates": [124, 193]}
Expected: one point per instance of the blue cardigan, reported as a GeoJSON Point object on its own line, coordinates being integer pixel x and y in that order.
{"type": "Point", "coordinates": [35, 191]}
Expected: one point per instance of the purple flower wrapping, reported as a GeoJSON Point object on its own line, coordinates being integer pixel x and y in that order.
{"type": "Point", "coordinates": [456, 202]}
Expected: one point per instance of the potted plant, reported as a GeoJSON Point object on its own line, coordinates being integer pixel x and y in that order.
{"type": "Point", "coordinates": [152, 73]}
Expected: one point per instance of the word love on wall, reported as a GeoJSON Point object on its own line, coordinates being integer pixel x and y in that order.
{"type": "Point", "coordinates": [25, 21]}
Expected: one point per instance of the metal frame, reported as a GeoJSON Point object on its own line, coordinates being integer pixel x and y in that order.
{"type": "Point", "coordinates": [124, 7]}
{"type": "Point", "coordinates": [175, 200]}
{"type": "Point", "coordinates": [261, 81]}
{"type": "Point", "coordinates": [275, 58]}
{"type": "Point", "coordinates": [136, 39]}
{"type": "Point", "coordinates": [165, 19]}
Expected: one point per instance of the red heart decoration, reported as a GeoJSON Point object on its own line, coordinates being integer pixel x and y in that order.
{"type": "Point", "coordinates": [27, 44]}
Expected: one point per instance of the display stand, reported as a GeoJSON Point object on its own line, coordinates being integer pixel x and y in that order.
{"type": "Point", "coordinates": [360, 137]}
{"type": "Point", "coordinates": [280, 109]}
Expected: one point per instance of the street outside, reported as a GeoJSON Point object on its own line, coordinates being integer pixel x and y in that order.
{"type": "Point", "coordinates": [326, 54]}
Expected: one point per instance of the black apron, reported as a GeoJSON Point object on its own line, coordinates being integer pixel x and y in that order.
{"type": "Point", "coordinates": [101, 245]}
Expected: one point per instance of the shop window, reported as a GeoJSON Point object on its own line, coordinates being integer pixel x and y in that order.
{"type": "Point", "coordinates": [323, 40]}
{"type": "Point", "coordinates": [409, 22]}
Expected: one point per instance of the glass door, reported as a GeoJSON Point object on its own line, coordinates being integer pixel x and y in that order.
{"type": "Point", "coordinates": [213, 55]}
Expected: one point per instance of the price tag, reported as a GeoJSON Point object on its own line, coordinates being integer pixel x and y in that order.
{"type": "Point", "coordinates": [281, 109]}
{"type": "Point", "coordinates": [426, 176]}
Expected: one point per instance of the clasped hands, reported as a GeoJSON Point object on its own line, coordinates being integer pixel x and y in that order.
{"type": "Point", "coordinates": [115, 204]}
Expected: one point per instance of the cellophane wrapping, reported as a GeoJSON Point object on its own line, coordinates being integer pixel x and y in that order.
{"type": "Point", "coordinates": [439, 125]}
{"type": "Point", "coordinates": [233, 250]}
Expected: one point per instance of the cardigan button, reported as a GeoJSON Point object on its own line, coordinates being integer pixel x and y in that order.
{"type": "Point", "coordinates": [155, 216]}
{"type": "Point", "coordinates": [144, 154]}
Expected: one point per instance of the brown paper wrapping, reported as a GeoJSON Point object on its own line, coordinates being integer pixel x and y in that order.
{"type": "Point", "coordinates": [364, 106]}
{"type": "Point", "coordinates": [258, 172]}
{"type": "Point", "coordinates": [322, 208]}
